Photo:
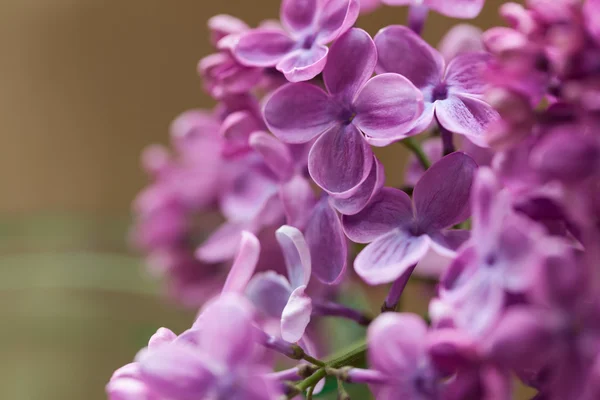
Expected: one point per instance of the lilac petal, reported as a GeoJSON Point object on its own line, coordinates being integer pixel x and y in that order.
{"type": "Point", "coordinates": [336, 17]}
{"type": "Point", "coordinates": [327, 243]}
{"type": "Point", "coordinates": [298, 112]}
{"type": "Point", "coordinates": [340, 160]}
{"type": "Point", "coordinates": [244, 265]}
{"type": "Point", "coordinates": [177, 371]}
{"type": "Point", "coordinates": [446, 243]}
{"type": "Point", "coordinates": [262, 47]}
{"type": "Point", "coordinates": [404, 52]}
{"type": "Point", "coordinates": [388, 106]}
{"type": "Point", "coordinates": [591, 12]}
{"type": "Point", "coordinates": [130, 389]}
{"type": "Point", "coordinates": [298, 200]}
{"type": "Point", "coordinates": [352, 60]}
{"type": "Point", "coordinates": [248, 193]}
{"type": "Point", "coordinates": [303, 64]}
{"type": "Point", "coordinates": [223, 243]}
{"type": "Point", "coordinates": [465, 73]}
{"type": "Point", "coordinates": [462, 38]}
{"type": "Point", "coordinates": [434, 150]}
{"type": "Point", "coordinates": [367, 190]}
{"type": "Point", "coordinates": [236, 129]}
{"type": "Point", "coordinates": [388, 257]}
{"type": "Point", "coordinates": [465, 9]}
{"type": "Point", "coordinates": [467, 116]}
{"type": "Point", "coordinates": [161, 337]}
{"type": "Point", "coordinates": [420, 125]}
{"type": "Point", "coordinates": [275, 154]}
{"type": "Point", "coordinates": [489, 207]}
{"type": "Point", "coordinates": [298, 15]}
{"type": "Point", "coordinates": [367, 6]}
{"type": "Point", "coordinates": [390, 209]}
{"type": "Point", "coordinates": [442, 195]}
{"type": "Point", "coordinates": [452, 350]}
{"type": "Point", "coordinates": [395, 343]}
{"type": "Point", "coordinates": [296, 254]}
{"type": "Point", "coordinates": [224, 25]}
{"type": "Point", "coordinates": [296, 315]}
{"type": "Point", "coordinates": [269, 292]}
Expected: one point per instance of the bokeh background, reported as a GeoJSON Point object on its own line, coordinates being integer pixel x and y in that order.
{"type": "Point", "coordinates": [85, 85]}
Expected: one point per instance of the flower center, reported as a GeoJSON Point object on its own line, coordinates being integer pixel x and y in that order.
{"type": "Point", "coordinates": [308, 42]}
{"type": "Point", "coordinates": [347, 115]}
{"type": "Point", "coordinates": [490, 260]}
{"type": "Point", "coordinates": [440, 92]}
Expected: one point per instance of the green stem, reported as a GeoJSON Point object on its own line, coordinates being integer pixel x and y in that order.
{"type": "Point", "coordinates": [415, 147]}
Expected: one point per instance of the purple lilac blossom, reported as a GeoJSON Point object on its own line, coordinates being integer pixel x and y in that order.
{"type": "Point", "coordinates": [452, 8]}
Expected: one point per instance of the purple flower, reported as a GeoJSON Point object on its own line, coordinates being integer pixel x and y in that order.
{"type": "Point", "coordinates": [461, 38]}
{"type": "Point", "coordinates": [453, 93]}
{"type": "Point", "coordinates": [299, 51]}
{"type": "Point", "coordinates": [402, 231]}
{"type": "Point", "coordinates": [382, 108]}
{"type": "Point", "coordinates": [283, 298]}
{"type": "Point", "coordinates": [452, 8]}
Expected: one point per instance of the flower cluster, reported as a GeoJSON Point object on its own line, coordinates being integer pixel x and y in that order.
{"type": "Point", "coordinates": [507, 227]}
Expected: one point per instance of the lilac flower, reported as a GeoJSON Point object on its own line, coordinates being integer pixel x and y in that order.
{"type": "Point", "coordinates": [382, 108]}
{"type": "Point", "coordinates": [367, 6]}
{"type": "Point", "coordinates": [285, 299]}
{"type": "Point", "coordinates": [451, 8]}
{"type": "Point", "coordinates": [299, 51]}
{"type": "Point", "coordinates": [453, 93]}
{"type": "Point", "coordinates": [402, 231]}
{"type": "Point", "coordinates": [461, 38]}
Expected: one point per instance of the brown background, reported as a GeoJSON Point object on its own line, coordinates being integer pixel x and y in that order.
{"type": "Point", "coordinates": [85, 85]}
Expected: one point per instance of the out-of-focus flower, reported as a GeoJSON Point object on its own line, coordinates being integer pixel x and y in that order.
{"type": "Point", "coordinates": [452, 8]}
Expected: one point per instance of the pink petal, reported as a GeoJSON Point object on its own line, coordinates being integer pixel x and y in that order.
{"type": "Point", "coordinates": [465, 73]}
{"type": "Point", "coordinates": [465, 9]}
{"type": "Point", "coordinates": [248, 194]}
{"type": "Point", "coordinates": [244, 265]}
{"type": "Point", "coordinates": [296, 315]}
{"type": "Point", "coordinates": [442, 195]}
{"type": "Point", "coordinates": [296, 113]}
{"type": "Point", "coordinates": [275, 154]}
{"type": "Point", "coordinates": [236, 129]}
{"type": "Point", "coordinates": [336, 17]}
{"type": "Point", "coordinates": [390, 209]}
{"type": "Point", "coordinates": [389, 256]}
{"type": "Point", "coordinates": [461, 38]}
{"type": "Point", "coordinates": [298, 199]}
{"type": "Point", "coordinates": [303, 64]}
{"type": "Point", "coordinates": [224, 25]}
{"type": "Point", "coordinates": [404, 52]}
{"type": "Point", "coordinates": [298, 15]}
{"type": "Point", "coordinates": [387, 107]}
{"type": "Point", "coordinates": [489, 207]}
{"type": "Point", "coordinates": [161, 337]}
{"type": "Point", "coordinates": [352, 60]}
{"type": "Point", "coordinates": [222, 244]}
{"type": "Point", "coordinates": [262, 47]}
{"type": "Point", "coordinates": [296, 254]}
{"type": "Point", "coordinates": [340, 160]}
{"type": "Point", "coordinates": [367, 190]}
{"type": "Point", "coordinates": [269, 292]}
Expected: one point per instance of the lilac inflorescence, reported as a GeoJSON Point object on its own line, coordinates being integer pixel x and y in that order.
{"type": "Point", "coordinates": [264, 202]}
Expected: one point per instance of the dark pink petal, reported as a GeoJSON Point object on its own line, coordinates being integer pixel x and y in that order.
{"type": "Point", "coordinates": [390, 256]}
{"type": "Point", "coordinates": [390, 209]}
{"type": "Point", "coordinates": [298, 199]}
{"type": "Point", "coordinates": [223, 243]}
{"type": "Point", "coordinates": [352, 60]}
{"type": "Point", "coordinates": [303, 64]}
{"type": "Point", "coordinates": [462, 38]}
{"type": "Point", "coordinates": [296, 315]}
{"type": "Point", "coordinates": [340, 160]}
{"type": "Point", "coordinates": [467, 116]}
{"type": "Point", "coordinates": [327, 243]}
{"type": "Point", "coordinates": [404, 52]}
{"type": "Point", "coordinates": [367, 190]}
{"type": "Point", "coordinates": [451, 350]}
{"type": "Point", "coordinates": [387, 107]}
{"type": "Point", "coordinates": [298, 15]}
{"type": "Point", "coordinates": [298, 112]}
{"type": "Point", "coordinates": [269, 292]}
{"type": "Point", "coordinates": [296, 254]}
{"type": "Point", "coordinates": [465, 9]}
{"type": "Point", "coordinates": [591, 13]}
{"type": "Point", "coordinates": [262, 47]}
{"type": "Point", "coordinates": [336, 17]}
{"type": "Point", "coordinates": [442, 195]}
{"type": "Point", "coordinates": [275, 154]}
{"type": "Point", "coordinates": [465, 73]}
{"type": "Point", "coordinates": [223, 75]}
{"type": "Point", "coordinates": [244, 265]}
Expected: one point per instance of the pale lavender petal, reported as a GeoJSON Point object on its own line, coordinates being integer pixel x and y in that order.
{"type": "Point", "coordinates": [248, 193]}
{"type": "Point", "coordinates": [447, 242]}
{"type": "Point", "coordinates": [269, 292]}
{"type": "Point", "coordinates": [442, 195]}
{"type": "Point", "coordinates": [340, 160]}
{"type": "Point", "coordinates": [396, 342]}
{"type": "Point", "coordinates": [296, 254]}
{"type": "Point", "coordinates": [296, 315]}
{"type": "Point", "coordinates": [367, 190]}
{"type": "Point", "coordinates": [388, 257]}
{"type": "Point", "coordinates": [298, 112]}
{"type": "Point", "coordinates": [298, 199]}
{"type": "Point", "coordinates": [387, 107]}
{"type": "Point", "coordinates": [398, 2]}
{"type": "Point", "coordinates": [222, 244]}
{"type": "Point", "coordinates": [161, 337]}
{"type": "Point", "coordinates": [244, 265]}
{"type": "Point", "coordinates": [465, 9]}
{"type": "Point", "coordinates": [336, 17]}
{"type": "Point", "coordinates": [352, 60]}
{"type": "Point", "coordinates": [275, 154]}
{"type": "Point", "coordinates": [262, 47]}
{"type": "Point", "coordinates": [298, 15]}
{"type": "Point", "coordinates": [404, 52]}
{"type": "Point", "coordinates": [303, 64]}
{"type": "Point", "coordinates": [327, 243]}
{"type": "Point", "coordinates": [130, 389]}
{"type": "Point", "coordinates": [224, 25]}
{"type": "Point", "coordinates": [462, 38]}
{"type": "Point", "coordinates": [465, 73]}
{"type": "Point", "coordinates": [467, 116]}
{"type": "Point", "coordinates": [390, 209]}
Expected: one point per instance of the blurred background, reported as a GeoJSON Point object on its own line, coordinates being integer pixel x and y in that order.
{"type": "Point", "coordinates": [86, 85]}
